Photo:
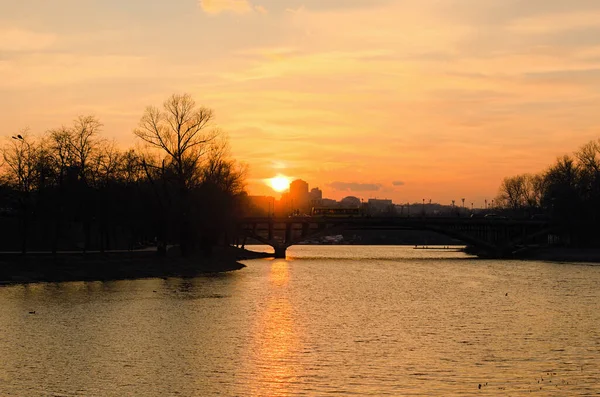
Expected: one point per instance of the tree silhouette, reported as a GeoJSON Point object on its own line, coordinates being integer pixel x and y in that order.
{"type": "Point", "coordinates": [75, 190]}
{"type": "Point", "coordinates": [195, 181]}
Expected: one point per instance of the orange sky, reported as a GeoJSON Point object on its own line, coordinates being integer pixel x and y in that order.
{"type": "Point", "coordinates": [406, 99]}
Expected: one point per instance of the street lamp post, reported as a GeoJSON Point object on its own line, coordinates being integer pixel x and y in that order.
{"type": "Point", "coordinates": [24, 202]}
{"type": "Point", "coordinates": [19, 137]}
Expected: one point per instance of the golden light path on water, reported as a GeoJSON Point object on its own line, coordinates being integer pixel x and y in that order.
{"type": "Point", "coordinates": [275, 343]}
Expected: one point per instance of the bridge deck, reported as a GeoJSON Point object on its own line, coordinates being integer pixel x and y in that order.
{"type": "Point", "coordinates": [394, 221]}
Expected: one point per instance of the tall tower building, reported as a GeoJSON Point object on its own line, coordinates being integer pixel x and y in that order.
{"type": "Point", "coordinates": [315, 197]}
{"type": "Point", "coordinates": [299, 196]}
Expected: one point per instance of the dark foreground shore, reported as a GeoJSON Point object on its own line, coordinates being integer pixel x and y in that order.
{"type": "Point", "coordinates": [548, 254]}
{"type": "Point", "coordinates": [31, 268]}
{"type": "Point", "coordinates": [561, 254]}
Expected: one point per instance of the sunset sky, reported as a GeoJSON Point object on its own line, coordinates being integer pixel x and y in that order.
{"type": "Point", "coordinates": [400, 99]}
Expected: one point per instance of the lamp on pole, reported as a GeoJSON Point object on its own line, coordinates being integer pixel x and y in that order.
{"type": "Point", "coordinates": [24, 202]}
{"type": "Point", "coordinates": [19, 137]}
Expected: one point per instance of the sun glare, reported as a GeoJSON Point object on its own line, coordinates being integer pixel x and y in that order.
{"type": "Point", "coordinates": [279, 183]}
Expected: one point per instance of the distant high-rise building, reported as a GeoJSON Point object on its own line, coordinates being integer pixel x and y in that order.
{"type": "Point", "coordinates": [316, 194]}
{"type": "Point", "coordinates": [315, 197]}
{"type": "Point", "coordinates": [299, 188]}
{"type": "Point", "coordinates": [299, 196]}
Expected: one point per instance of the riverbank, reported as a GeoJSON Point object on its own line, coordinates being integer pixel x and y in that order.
{"type": "Point", "coordinates": [561, 254]}
{"type": "Point", "coordinates": [549, 254]}
{"type": "Point", "coordinates": [45, 267]}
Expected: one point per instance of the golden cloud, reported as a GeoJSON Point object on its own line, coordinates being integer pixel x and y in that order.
{"type": "Point", "coordinates": [24, 40]}
{"type": "Point", "coordinates": [236, 6]}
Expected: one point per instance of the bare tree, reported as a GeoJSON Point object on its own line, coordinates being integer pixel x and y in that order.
{"type": "Point", "coordinates": [21, 163]}
{"type": "Point", "coordinates": [62, 150]}
{"type": "Point", "coordinates": [20, 159]}
{"type": "Point", "coordinates": [589, 157]}
{"type": "Point", "coordinates": [182, 131]}
{"type": "Point", "coordinates": [512, 192]}
{"type": "Point", "coordinates": [82, 142]}
{"type": "Point", "coordinates": [535, 186]}
{"type": "Point", "coordinates": [131, 169]}
{"type": "Point", "coordinates": [521, 192]}
{"type": "Point", "coordinates": [589, 168]}
{"type": "Point", "coordinates": [105, 164]}
{"type": "Point", "coordinates": [221, 170]}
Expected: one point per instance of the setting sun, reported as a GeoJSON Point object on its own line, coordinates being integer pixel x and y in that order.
{"type": "Point", "coordinates": [279, 183]}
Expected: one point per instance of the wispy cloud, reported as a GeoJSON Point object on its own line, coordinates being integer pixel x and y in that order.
{"type": "Point", "coordinates": [355, 187]}
{"type": "Point", "coordinates": [25, 40]}
{"type": "Point", "coordinates": [235, 6]}
{"type": "Point", "coordinates": [398, 183]}
{"type": "Point", "coordinates": [261, 9]}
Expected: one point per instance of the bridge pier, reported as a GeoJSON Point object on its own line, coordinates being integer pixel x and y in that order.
{"type": "Point", "coordinates": [280, 251]}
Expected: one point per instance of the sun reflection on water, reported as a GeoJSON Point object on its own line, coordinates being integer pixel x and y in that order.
{"type": "Point", "coordinates": [279, 274]}
{"type": "Point", "coordinates": [275, 339]}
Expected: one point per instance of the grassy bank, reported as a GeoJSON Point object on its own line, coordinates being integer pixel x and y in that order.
{"type": "Point", "coordinates": [45, 267]}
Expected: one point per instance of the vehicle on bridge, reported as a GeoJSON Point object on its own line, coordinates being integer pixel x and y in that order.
{"type": "Point", "coordinates": [333, 212]}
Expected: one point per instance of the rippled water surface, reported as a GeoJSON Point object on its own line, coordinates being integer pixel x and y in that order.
{"type": "Point", "coordinates": [330, 320]}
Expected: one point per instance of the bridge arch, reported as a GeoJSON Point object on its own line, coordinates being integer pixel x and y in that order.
{"type": "Point", "coordinates": [487, 237]}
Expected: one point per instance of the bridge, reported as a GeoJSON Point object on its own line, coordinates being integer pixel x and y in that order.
{"type": "Point", "coordinates": [494, 237]}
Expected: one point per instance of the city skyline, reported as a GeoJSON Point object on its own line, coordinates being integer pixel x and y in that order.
{"type": "Point", "coordinates": [406, 100]}
{"type": "Point", "coordinates": [282, 195]}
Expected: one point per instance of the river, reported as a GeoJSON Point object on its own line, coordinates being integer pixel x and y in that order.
{"type": "Point", "coordinates": [340, 320]}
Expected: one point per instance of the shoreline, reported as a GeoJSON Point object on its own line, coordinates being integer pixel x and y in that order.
{"type": "Point", "coordinates": [128, 265]}
{"type": "Point", "coordinates": [561, 254]}
{"type": "Point", "coordinates": [546, 254]}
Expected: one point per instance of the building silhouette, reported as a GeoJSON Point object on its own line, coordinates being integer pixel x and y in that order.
{"type": "Point", "coordinates": [315, 197]}
{"type": "Point", "coordinates": [299, 196]}
{"type": "Point", "coordinates": [350, 202]}
{"type": "Point", "coordinates": [378, 206]}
